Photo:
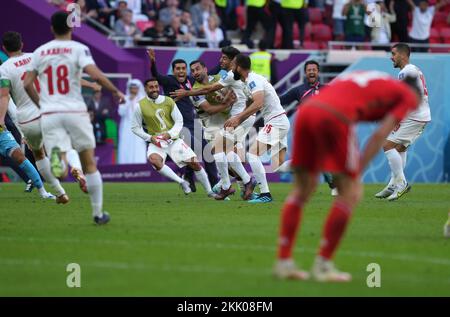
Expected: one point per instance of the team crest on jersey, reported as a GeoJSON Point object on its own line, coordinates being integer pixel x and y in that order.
{"type": "Point", "coordinates": [252, 85]}
{"type": "Point", "coordinates": [224, 76]}
{"type": "Point", "coordinates": [401, 76]}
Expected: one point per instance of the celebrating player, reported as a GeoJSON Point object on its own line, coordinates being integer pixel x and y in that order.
{"type": "Point", "coordinates": [407, 132]}
{"type": "Point", "coordinates": [65, 122]}
{"type": "Point", "coordinates": [325, 140]}
{"type": "Point", "coordinates": [163, 122]}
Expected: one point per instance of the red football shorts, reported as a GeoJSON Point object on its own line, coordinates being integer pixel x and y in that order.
{"type": "Point", "coordinates": [323, 142]}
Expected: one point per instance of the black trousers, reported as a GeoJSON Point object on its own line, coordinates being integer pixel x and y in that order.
{"type": "Point", "coordinates": [290, 16]}
{"type": "Point", "coordinates": [255, 15]}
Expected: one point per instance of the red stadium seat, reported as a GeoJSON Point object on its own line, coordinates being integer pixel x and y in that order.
{"type": "Point", "coordinates": [241, 17]}
{"type": "Point", "coordinates": [144, 25]}
{"type": "Point", "coordinates": [308, 30]}
{"type": "Point", "coordinates": [315, 15]}
{"type": "Point", "coordinates": [321, 33]}
{"type": "Point", "coordinates": [435, 36]}
{"type": "Point", "coordinates": [307, 45]}
{"type": "Point", "coordinates": [445, 34]}
{"type": "Point", "coordinates": [440, 19]}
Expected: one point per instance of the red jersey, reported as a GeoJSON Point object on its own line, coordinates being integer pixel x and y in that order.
{"type": "Point", "coordinates": [366, 96]}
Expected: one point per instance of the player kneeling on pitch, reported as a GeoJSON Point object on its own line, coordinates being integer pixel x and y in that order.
{"type": "Point", "coordinates": [325, 141]}
{"type": "Point", "coordinates": [163, 121]}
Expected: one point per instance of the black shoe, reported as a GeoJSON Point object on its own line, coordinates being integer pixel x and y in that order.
{"type": "Point", "coordinates": [29, 187]}
{"type": "Point", "coordinates": [191, 183]}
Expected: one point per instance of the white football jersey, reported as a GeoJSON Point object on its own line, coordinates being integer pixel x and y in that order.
{"type": "Point", "coordinates": [272, 106]}
{"type": "Point", "coordinates": [14, 70]}
{"type": "Point", "coordinates": [422, 113]}
{"type": "Point", "coordinates": [227, 80]}
{"type": "Point", "coordinates": [59, 65]}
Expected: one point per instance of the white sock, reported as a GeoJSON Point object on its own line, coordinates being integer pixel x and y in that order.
{"type": "Point", "coordinates": [94, 184]}
{"type": "Point", "coordinates": [203, 179]}
{"type": "Point", "coordinates": [73, 159]}
{"type": "Point", "coordinates": [396, 164]}
{"type": "Point", "coordinates": [284, 168]}
{"type": "Point", "coordinates": [259, 172]}
{"type": "Point", "coordinates": [222, 166]}
{"type": "Point", "coordinates": [45, 170]}
{"type": "Point", "coordinates": [235, 163]}
{"type": "Point", "coordinates": [167, 172]}
{"type": "Point", "coordinates": [241, 185]}
{"type": "Point", "coordinates": [42, 191]}
{"type": "Point", "coordinates": [403, 155]}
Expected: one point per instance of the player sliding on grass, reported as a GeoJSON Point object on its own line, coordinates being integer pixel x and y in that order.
{"type": "Point", "coordinates": [325, 140]}
{"type": "Point", "coordinates": [163, 121]}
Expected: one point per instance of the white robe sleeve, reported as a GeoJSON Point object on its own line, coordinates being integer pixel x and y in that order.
{"type": "Point", "coordinates": [178, 118]}
{"type": "Point", "coordinates": [136, 125]}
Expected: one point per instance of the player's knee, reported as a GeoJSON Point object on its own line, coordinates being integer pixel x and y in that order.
{"type": "Point", "coordinates": [39, 154]}
{"type": "Point", "coordinates": [195, 166]}
{"type": "Point", "coordinates": [400, 148]}
{"type": "Point", "coordinates": [156, 161]}
{"type": "Point", "coordinates": [18, 156]}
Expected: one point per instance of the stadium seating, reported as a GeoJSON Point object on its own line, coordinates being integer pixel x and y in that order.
{"type": "Point", "coordinates": [321, 33]}
{"type": "Point", "coordinates": [315, 15]}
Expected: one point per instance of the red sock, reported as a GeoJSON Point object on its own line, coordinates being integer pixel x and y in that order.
{"type": "Point", "coordinates": [334, 228]}
{"type": "Point", "coordinates": [290, 220]}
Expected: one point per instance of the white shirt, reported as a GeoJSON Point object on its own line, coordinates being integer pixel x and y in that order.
{"type": "Point", "coordinates": [421, 23]}
{"type": "Point", "coordinates": [272, 107]}
{"type": "Point", "coordinates": [422, 113]}
{"type": "Point", "coordinates": [214, 37]}
{"type": "Point", "coordinates": [59, 65]}
{"type": "Point", "coordinates": [238, 86]}
{"type": "Point", "coordinates": [137, 127]}
{"type": "Point", "coordinates": [338, 5]}
{"type": "Point", "coordinates": [14, 70]}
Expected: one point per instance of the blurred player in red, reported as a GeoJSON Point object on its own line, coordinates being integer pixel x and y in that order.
{"type": "Point", "coordinates": [325, 140]}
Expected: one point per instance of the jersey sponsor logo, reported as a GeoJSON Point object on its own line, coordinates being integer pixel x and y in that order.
{"type": "Point", "coordinates": [252, 85]}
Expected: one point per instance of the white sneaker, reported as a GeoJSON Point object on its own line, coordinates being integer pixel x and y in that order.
{"type": "Point", "coordinates": [386, 192]}
{"type": "Point", "coordinates": [399, 191]}
{"type": "Point", "coordinates": [186, 188]}
{"type": "Point", "coordinates": [48, 196]}
{"type": "Point", "coordinates": [324, 271]}
{"type": "Point", "coordinates": [287, 270]}
{"type": "Point", "coordinates": [334, 192]}
{"type": "Point", "coordinates": [447, 229]}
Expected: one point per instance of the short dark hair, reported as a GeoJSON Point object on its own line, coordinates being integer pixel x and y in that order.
{"type": "Point", "coordinates": [311, 62]}
{"type": "Point", "coordinates": [178, 61]}
{"type": "Point", "coordinates": [230, 52]}
{"type": "Point", "coordinates": [262, 45]}
{"type": "Point", "coordinates": [243, 61]}
{"type": "Point", "coordinates": [59, 23]}
{"type": "Point", "coordinates": [403, 48]}
{"type": "Point", "coordinates": [12, 41]}
{"type": "Point", "coordinates": [197, 61]}
{"type": "Point", "coordinates": [150, 80]}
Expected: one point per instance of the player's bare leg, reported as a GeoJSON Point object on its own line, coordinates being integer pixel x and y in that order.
{"type": "Point", "coordinates": [305, 184]}
{"type": "Point", "coordinates": [350, 193]}
{"type": "Point", "coordinates": [94, 184]}
{"type": "Point", "coordinates": [43, 165]}
{"type": "Point", "coordinates": [158, 164]}
{"type": "Point", "coordinates": [201, 175]}
{"type": "Point", "coordinates": [256, 150]}
{"type": "Point", "coordinates": [76, 170]}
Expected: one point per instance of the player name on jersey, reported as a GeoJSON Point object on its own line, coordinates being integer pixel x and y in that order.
{"type": "Point", "coordinates": [56, 51]}
{"type": "Point", "coordinates": [22, 62]}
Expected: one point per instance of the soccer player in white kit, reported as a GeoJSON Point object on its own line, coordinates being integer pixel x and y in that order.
{"type": "Point", "coordinates": [273, 136]}
{"type": "Point", "coordinates": [65, 122]}
{"type": "Point", "coordinates": [397, 143]}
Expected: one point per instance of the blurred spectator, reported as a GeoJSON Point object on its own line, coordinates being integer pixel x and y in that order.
{"type": "Point", "coordinates": [381, 34]}
{"type": "Point", "coordinates": [226, 10]}
{"type": "Point", "coordinates": [177, 34]}
{"type": "Point", "coordinates": [125, 27]}
{"type": "Point", "coordinates": [136, 7]}
{"type": "Point", "coordinates": [156, 32]}
{"type": "Point", "coordinates": [263, 62]}
{"type": "Point", "coordinates": [100, 105]}
{"type": "Point", "coordinates": [338, 18]}
{"type": "Point", "coordinates": [88, 10]}
{"type": "Point", "coordinates": [152, 7]}
{"type": "Point", "coordinates": [61, 4]}
{"type": "Point", "coordinates": [168, 13]}
{"type": "Point", "coordinates": [200, 13]}
{"type": "Point", "coordinates": [213, 33]}
{"type": "Point", "coordinates": [187, 26]}
{"type": "Point", "coordinates": [400, 27]}
{"type": "Point", "coordinates": [354, 27]}
{"type": "Point", "coordinates": [256, 13]}
{"type": "Point", "coordinates": [293, 10]}
{"type": "Point", "coordinates": [98, 127]}
{"type": "Point", "coordinates": [132, 149]}
{"type": "Point", "coordinates": [422, 17]}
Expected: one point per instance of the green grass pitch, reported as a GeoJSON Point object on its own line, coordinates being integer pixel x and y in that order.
{"type": "Point", "coordinates": [161, 243]}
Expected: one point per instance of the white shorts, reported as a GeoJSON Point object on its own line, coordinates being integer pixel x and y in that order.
{"type": "Point", "coordinates": [33, 133]}
{"type": "Point", "coordinates": [238, 135]}
{"type": "Point", "coordinates": [211, 133]}
{"type": "Point", "coordinates": [67, 131]}
{"type": "Point", "coordinates": [407, 132]}
{"type": "Point", "coordinates": [178, 151]}
{"type": "Point", "coordinates": [275, 134]}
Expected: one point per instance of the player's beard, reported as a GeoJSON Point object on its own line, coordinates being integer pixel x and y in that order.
{"type": "Point", "coordinates": [236, 75]}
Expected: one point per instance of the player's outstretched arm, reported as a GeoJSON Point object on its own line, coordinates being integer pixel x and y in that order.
{"type": "Point", "coordinates": [228, 101]}
{"type": "Point", "coordinates": [96, 74]}
{"type": "Point", "coordinates": [28, 84]}
{"type": "Point", "coordinates": [181, 93]}
{"type": "Point", "coordinates": [377, 140]}
{"type": "Point", "coordinates": [90, 84]}
{"type": "Point", "coordinates": [255, 106]}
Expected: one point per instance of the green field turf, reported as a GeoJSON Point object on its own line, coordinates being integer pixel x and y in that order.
{"type": "Point", "coordinates": [161, 243]}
